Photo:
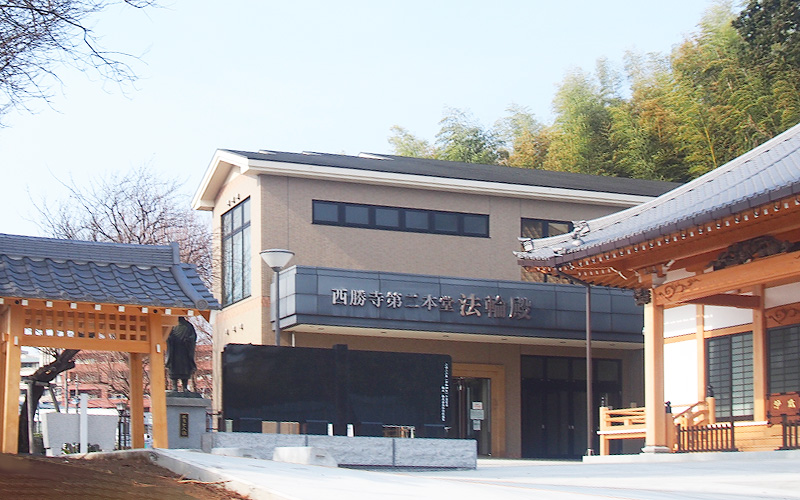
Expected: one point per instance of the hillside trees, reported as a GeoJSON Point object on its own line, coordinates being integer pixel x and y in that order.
{"type": "Point", "coordinates": [723, 90]}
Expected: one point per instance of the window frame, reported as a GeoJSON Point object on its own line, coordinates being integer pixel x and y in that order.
{"type": "Point", "coordinates": [236, 266]}
{"type": "Point", "coordinates": [402, 224]}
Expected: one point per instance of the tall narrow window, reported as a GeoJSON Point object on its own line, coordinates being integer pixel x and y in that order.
{"type": "Point", "coordinates": [729, 369]}
{"type": "Point", "coordinates": [236, 253]}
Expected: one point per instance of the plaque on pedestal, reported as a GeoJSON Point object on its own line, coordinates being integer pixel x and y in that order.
{"type": "Point", "coordinates": [186, 419]}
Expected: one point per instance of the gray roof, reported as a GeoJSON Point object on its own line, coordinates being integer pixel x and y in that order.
{"type": "Point", "coordinates": [767, 173]}
{"type": "Point", "coordinates": [87, 271]}
{"type": "Point", "coordinates": [467, 171]}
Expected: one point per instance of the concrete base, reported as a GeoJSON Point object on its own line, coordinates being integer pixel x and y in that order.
{"type": "Point", "coordinates": [186, 420]}
{"type": "Point", "coordinates": [656, 449]}
{"type": "Point", "coordinates": [305, 455]}
{"type": "Point", "coordinates": [359, 451]}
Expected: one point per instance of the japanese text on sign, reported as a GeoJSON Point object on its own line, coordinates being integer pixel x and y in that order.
{"type": "Point", "coordinates": [466, 305]}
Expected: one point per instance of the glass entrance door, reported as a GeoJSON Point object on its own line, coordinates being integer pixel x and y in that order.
{"type": "Point", "coordinates": [473, 411]}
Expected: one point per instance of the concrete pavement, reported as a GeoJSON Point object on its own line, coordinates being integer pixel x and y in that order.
{"type": "Point", "coordinates": [737, 476]}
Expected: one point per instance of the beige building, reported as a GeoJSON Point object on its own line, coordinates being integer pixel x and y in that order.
{"type": "Point", "coordinates": [355, 221]}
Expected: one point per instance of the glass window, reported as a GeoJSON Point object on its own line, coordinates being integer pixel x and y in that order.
{"type": "Point", "coordinates": [417, 219]}
{"type": "Point", "coordinates": [337, 213]}
{"type": "Point", "coordinates": [326, 212]}
{"type": "Point", "coordinates": [729, 369]}
{"type": "Point", "coordinates": [784, 359]}
{"type": "Point", "coordinates": [387, 217]}
{"type": "Point", "coordinates": [476, 225]}
{"type": "Point", "coordinates": [236, 253]}
{"type": "Point", "coordinates": [541, 228]}
{"type": "Point", "coordinates": [356, 214]}
{"type": "Point", "coordinates": [445, 222]}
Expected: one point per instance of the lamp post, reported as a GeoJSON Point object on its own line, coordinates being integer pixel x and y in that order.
{"type": "Point", "coordinates": [122, 408]}
{"type": "Point", "coordinates": [276, 259]}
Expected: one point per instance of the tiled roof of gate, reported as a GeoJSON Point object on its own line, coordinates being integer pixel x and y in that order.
{"type": "Point", "coordinates": [466, 171]}
{"type": "Point", "coordinates": [87, 271]}
{"type": "Point", "coordinates": [767, 173]}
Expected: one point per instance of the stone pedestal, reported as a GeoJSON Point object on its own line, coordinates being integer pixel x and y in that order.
{"type": "Point", "coordinates": [186, 419]}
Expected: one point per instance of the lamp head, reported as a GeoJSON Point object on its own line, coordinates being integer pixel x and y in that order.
{"type": "Point", "coordinates": [277, 258]}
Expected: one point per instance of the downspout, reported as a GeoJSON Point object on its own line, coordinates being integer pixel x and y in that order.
{"type": "Point", "coordinates": [589, 382]}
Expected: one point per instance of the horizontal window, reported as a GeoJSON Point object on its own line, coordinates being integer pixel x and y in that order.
{"type": "Point", "coordinates": [415, 220]}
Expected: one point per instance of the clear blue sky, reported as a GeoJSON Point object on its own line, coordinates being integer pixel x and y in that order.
{"type": "Point", "coordinates": [310, 75]}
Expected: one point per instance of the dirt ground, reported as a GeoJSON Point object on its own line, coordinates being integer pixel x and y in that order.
{"type": "Point", "coordinates": [58, 478]}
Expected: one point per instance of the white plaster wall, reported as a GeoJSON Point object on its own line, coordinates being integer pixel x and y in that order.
{"type": "Point", "coordinates": [781, 295]}
{"type": "Point", "coordinates": [680, 321]}
{"type": "Point", "coordinates": [715, 317]}
{"type": "Point", "coordinates": [680, 374]}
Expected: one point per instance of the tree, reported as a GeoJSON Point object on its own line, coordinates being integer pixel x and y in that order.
{"type": "Point", "coordinates": [581, 141]}
{"type": "Point", "coordinates": [524, 136]}
{"type": "Point", "coordinates": [771, 29]}
{"type": "Point", "coordinates": [404, 143]}
{"type": "Point", "coordinates": [138, 207]}
{"type": "Point", "coordinates": [36, 36]}
{"type": "Point", "coordinates": [462, 139]}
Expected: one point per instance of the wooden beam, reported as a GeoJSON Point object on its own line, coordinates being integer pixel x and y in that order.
{"type": "Point", "coordinates": [137, 400]}
{"type": "Point", "coordinates": [12, 332]}
{"type": "Point", "coordinates": [158, 397]}
{"type": "Point", "coordinates": [728, 300]}
{"type": "Point", "coordinates": [85, 343]}
{"type": "Point", "coordinates": [763, 271]}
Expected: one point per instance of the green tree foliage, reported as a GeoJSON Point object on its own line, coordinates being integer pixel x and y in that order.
{"type": "Point", "coordinates": [581, 139]}
{"type": "Point", "coordinates": [526, 139]}
{"type": "Point", "coordinates": [462, 139]}
{"type": "Point", "coordinates": [723, 90]}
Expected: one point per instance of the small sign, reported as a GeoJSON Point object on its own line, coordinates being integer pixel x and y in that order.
{"type": "Point", "coordinates": [784, 403]}
{"type": "Point", "coordinates": [477, 405]}
{"type": "Point", "coordinates": [184, 425]}
{"type": "Point", "coordinates": [476, 425]}
{"type": "Point", "coordinates": [476, 414]}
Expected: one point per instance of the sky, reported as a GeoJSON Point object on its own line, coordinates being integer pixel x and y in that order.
{"type": "Point", "coordinates": [323, 76]}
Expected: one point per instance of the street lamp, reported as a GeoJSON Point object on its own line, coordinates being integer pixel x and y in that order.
{"type": "Point", "coordinates": [122, 408]}
{"type": "Point", "coordinates": [276, 259]}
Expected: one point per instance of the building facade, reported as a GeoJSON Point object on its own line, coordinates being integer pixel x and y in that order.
{"type": "Point", "coordinates": [414, 255]}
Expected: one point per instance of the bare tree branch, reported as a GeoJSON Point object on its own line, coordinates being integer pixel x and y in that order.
{"type": "Point", "coordinates": [36, 36]}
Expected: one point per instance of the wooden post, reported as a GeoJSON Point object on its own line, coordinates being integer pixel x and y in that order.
{"type": "Point", "coordinates": [3, 339]}
{"type": "Point", "coordinates": [158, 397]}
{"type": "Point", "coordinates": [702, 378]}
{"type": "Point", "coordinates": [711, 407]}
{"type": "Point", "coordinates": [760, 362]}
{"type": "Point", "coordinates": [137, 400]}
{"type": "Point", "coordinates": [13, 332]}
{"type": "Point", "coordinates": [655, 414]}
{"type": "Point", "coordinates": [604, 441]}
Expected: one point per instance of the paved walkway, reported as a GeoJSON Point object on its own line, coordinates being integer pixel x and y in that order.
{"type": "Point", "coordinates": [736, 476]}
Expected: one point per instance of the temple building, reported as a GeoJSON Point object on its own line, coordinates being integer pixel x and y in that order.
{"type": "Point", "coordinates": [413, 255]}
{"type": "Point", "coordinates": [716, 263]}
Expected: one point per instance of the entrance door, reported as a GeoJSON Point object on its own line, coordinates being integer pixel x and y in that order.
{"type": "Point", "coordinates": [473, 411]}
{"type": "Point", "coordinates": [554, 404]}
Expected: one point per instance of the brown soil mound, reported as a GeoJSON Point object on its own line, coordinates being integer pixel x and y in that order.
{"type": "Point", "coordinates": [129, 478]}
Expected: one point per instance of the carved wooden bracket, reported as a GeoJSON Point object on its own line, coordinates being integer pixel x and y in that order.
{"type": "Point", "coordinates": [746, 251]}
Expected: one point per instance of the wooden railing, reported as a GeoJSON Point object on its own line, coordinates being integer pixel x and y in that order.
{"type": "Point", "coordinates": [625, 423]}
{"type": "Point", "coordinates": [790, 434]}
{"type": "Point", "coordinates": [706, 437]}
{"type": "Point", "coordinates": [629, 423]}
